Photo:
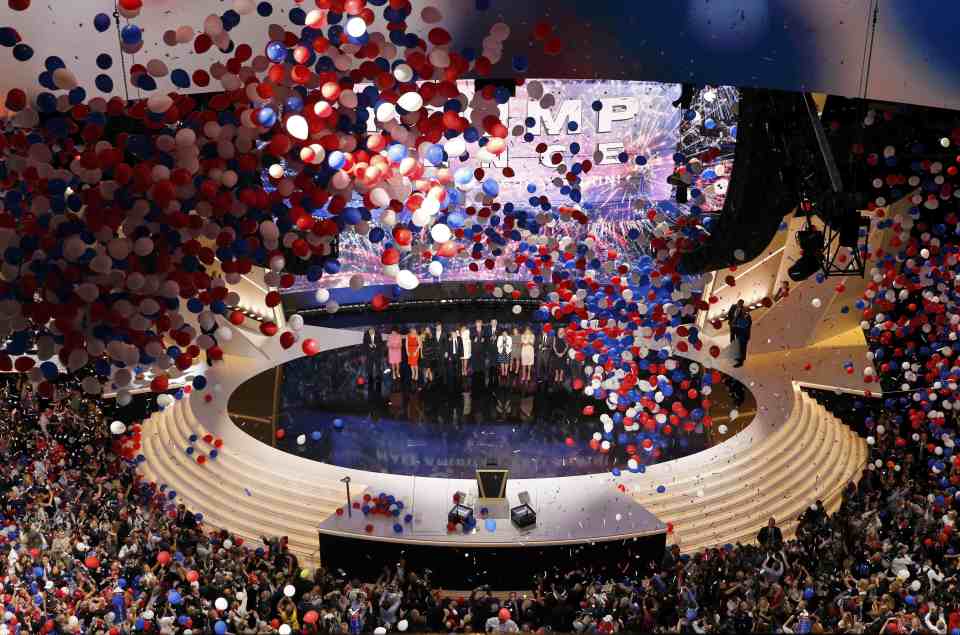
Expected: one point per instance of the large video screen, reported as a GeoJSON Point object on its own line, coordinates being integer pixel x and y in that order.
{"type": "Point", "coordinates": [633, 135]}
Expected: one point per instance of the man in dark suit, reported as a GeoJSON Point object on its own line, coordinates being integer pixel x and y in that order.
{"type": "Point", "coordinates": [732, 314]}
{"type": "Point", "coordinates": [453, 351]}
{"type": "Point", "coordinates": [770, 537]}
{"type": "Point", "coordinates": [478, 348]}
{"type": "Point", "coordinates": [543, 349]}
{"type": "Point", "coordinates": [741, 330]}
{"type": "Point", "coordinates": [373, 352]}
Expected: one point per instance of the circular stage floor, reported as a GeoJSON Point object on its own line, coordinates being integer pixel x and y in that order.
{"type": "Point", "coordinates": [336, 409]}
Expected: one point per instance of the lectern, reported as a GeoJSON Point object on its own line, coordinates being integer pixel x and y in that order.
{"type": "Point", "coordinates": [492, 482]}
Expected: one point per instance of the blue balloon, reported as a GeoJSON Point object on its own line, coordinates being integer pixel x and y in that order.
{"type": "Point", "coordinates": [101, 22]}
{"type": "Point", "coordinates": [491, 188]}
{"type": "Point", "coordinates": [8, 36]}
{"type": "Point", "coordinates": [104, 83]}
{"type": "Point", "coordinates": [131, 34]}
{"type": "Point", "coordinates": [174, 598]}
{"type": "Point", "coordinates": [490, 524]}
{"type": "Point", "coordinates": [22, 52]}
{"type": "Point", "coordinates": [462, 176]}
{"type": "Point", "coordinates": [180, 78]}
{"type": "Point", "coordinates": [336, 159]}
{"type": "Point", "coordinates": [199, 382]}
{"type": "Point", "coordinates": [266, 117]}
{"type": "Point", "coordinates": [49, 370]}
{"type": "Point", "coordinates": [435, 154]}
{"type": "Point", "coordinates": [397, 152]}
{"type": "Point", "coordinates": [277, 52]}
{"type": "Point", "coordinates": [220, 628]}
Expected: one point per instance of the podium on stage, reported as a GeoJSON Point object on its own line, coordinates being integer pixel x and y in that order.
{"type": "Point", "coordinates": [492, 482]}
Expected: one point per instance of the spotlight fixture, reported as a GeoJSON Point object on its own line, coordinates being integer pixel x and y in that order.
{"type": "Point", "coordinates": [811, 258]}
{"type": "Point", "coordinates": [677, 181]}
{"type": "Point", "coordinates": [685, 100]}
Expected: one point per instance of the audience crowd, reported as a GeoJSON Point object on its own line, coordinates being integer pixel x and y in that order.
{"type": "Point", "coordinates": [89, 547]}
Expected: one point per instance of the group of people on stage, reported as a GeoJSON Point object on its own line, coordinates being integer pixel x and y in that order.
{"type": "Point", "coordinates": [450, 351]}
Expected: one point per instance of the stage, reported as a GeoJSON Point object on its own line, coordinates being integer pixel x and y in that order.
{"type": "Point", "coordinates": [253, 488]}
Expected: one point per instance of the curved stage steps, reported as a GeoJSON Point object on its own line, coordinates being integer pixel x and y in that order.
{"type": "Point", "coordinates": [812, 456]}
{"type": "Point", "coordinates": [793, 453]}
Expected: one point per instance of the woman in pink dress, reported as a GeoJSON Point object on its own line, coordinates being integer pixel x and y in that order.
{"type": "Point", "coordinates": [394, 352]}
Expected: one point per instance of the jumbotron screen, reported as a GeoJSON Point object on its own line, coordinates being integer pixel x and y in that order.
{"type": "Point", "coordinates": [630, 131]}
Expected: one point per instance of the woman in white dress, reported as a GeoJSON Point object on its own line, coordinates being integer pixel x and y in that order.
{"type": "Point", "coordinates": [464, 335]}
{"type": "Point", "coordinates": [504, 346]}
{"type": "Point", "coordinates": [526, 354]}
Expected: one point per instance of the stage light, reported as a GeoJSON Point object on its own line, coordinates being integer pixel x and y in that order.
{"type": "Point", "coordinates": [677, 181]}
{"type": "Point", "coordinates": [685, 100]}
{"type": "Point", "coordinates": [811, 260]}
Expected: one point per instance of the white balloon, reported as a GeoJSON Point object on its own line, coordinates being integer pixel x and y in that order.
{"type": "Point", "coordinates": [356, 27]}
{"type": "Point", "coordinates": [118, 427]}
{"type": "Point", "coordinates": [289, 590]}
{"type": "Point", "coordinates": [435, 268]}
{"type": "Point", "coordinates": [295, 322]}
{"type": "Point", "coordinates": [402, 625]}
{"type": "Point", "coordinates": [298, 127]}
{"type": "Point", "coordinates": [440, 233]}
{"type": "Point", "coordinates": [722, 429]}
{"type": "Point", "coordinates": [322, 295]}
{"type": "Point", "coordinates": [220, 604]}
{"type": "Point", "coordinates": [407, 280]}
{"type": "Point", "coordinates": [284, 629]}
{"type": "Point", "coordinates": [301, 439]}
{"type": "Point", "coordinates": [411, 101]}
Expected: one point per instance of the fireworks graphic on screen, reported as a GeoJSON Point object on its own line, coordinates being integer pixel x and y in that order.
{"type": "Point", "coordinates": [633, 135]}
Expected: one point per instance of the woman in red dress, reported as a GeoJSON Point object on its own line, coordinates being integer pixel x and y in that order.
{"type": "Point", "coordinates": [413, 353]}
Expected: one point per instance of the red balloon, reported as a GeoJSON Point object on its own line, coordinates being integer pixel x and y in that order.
{"type": "Point", "coordinates": [92, 562]}
{"type": "Point", "coordinates": [380, 302]}
{"type": "Point", "coordinates": [160, 383]}
{"type": "Point", "coordinates": [311, 617]}
{"type": "Point", "coordinates": [402, 236]}
{"type": "Point", "coordinates": [310, 347]}
{"type": "Point", "coordinates": [131, 5]}
{"type": "Point", "coordinates": [287, 339]}
{"type": "Point", "coordinates": [269, 329]}
{"type": "Point", "coordinates": [390, 256]}
{"type": "Point", "coordinates": [236, 318]}
{"type": "Point", "coordinates": [164, 556]}
{"type": "Point", "coordinates": [192, 576]}
{"type": "Point", "coordinates": [281, 433]}
{"type": "Point", "coordinates": [19, 5]}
